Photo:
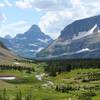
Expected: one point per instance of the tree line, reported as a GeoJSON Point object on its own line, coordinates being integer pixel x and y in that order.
{"type": "Point", "coordinates": [57, 66]}
{"type": "Point", "coordinates": [16, 67]}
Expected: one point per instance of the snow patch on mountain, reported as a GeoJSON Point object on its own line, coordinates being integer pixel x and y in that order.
{"type": "Point", "coordinates": [39, 49]}
{"type": "Point", "coordinates": [32, 50]}
{"type": "Point", "coordinates": [83, 50]}
{"type": "Point", "coordinates": [92, 30]}
{"type": "Point", "coordinates": [79, 51]}
{"type": "Point", "coordinates": [23, 38]}
{"type": "Point", "coordinates": [84, 34]}
{"type": "Point", "coordinates": [44, 41]}
{"type": "Point", "coordinates": [31, 44]}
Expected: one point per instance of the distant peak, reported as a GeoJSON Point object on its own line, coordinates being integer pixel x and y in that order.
{"type": "Point", "coordinates": [35, 27]}
{"type": "Point", "coordinates": [7, 37]}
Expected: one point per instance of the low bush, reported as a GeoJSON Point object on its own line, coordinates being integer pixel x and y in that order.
{"type": "Point", "coordinates": [86, 95]}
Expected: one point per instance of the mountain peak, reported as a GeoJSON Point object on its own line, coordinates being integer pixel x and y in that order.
{"type": "Point", "coordinates": [34, 31]}
{"type": "Point", "coordinates": [7, 37]}
{"type": "Point", "coordinates": [35, 28]}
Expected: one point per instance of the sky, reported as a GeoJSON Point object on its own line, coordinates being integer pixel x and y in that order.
{"type": "Point", "coordinates": [17, 16]}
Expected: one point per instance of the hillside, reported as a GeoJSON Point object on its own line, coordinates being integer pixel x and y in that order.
{"type": "Point", "coordinates": [6, 54]}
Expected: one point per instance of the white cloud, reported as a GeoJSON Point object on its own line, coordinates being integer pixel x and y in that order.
{"type": "Point", "coordinates": [3, 17]}
{"type": "Point", "coordinates": [75, 2]}
{"type": "Point", "coordinates": [19, 24]}
{"type": "Point", "coordinates": [54, 22]}
{"type": "Point", "coordinates": [5, 3]}
{"type": "Point", "coordinates": [2, 5]}
{"type": "Point", "coordinates": [24, 4]}
{"type": "Point", "coordinates": [46, 5]}
{"type": "Point", "coordinates": [42, 4]}
{"type": "Point", "coordinates": [14, 28]}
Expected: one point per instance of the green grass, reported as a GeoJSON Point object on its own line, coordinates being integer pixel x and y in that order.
{"type": "Point", "coordinates": [27, 82]}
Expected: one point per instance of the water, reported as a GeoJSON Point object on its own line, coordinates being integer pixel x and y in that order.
{"type": "Point", "coordinates": [7, 77]}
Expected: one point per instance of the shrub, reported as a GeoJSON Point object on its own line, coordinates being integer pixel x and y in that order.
{"type": "Point", "coordinates": [86, 95]}
{"type": "Point", "coordinates": [64, 88]}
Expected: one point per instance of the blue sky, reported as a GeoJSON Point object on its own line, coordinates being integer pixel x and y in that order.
{"type": "Point", "coordinates": [16, 16]}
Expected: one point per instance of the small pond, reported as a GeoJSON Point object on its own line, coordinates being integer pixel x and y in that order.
{"type": "Point", "coordinates": [7, 77]}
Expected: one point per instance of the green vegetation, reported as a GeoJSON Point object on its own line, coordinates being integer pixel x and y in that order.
{"type": "Point", "coordinates": [57, 80]}
{"type": "Point", "coordinates": [58, 66]}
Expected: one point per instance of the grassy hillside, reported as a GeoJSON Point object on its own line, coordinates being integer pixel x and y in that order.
{"type": "Point", "coordinates": [6, 54]}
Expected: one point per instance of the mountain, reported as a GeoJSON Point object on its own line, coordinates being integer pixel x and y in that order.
{"type": "Point", "coordinates": [8, 37]}
{"type": "Point", "coordinates": [28, 43]}
{"type": "Point", "coordinates": [80, 39]}
{"type": "Point", "coordinates": [6, 54]}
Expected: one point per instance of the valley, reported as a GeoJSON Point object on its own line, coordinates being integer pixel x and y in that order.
{"type": "Point", "coordinates": [51, 81]}
{"type": "Point", "coordinates": [33, 66]}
